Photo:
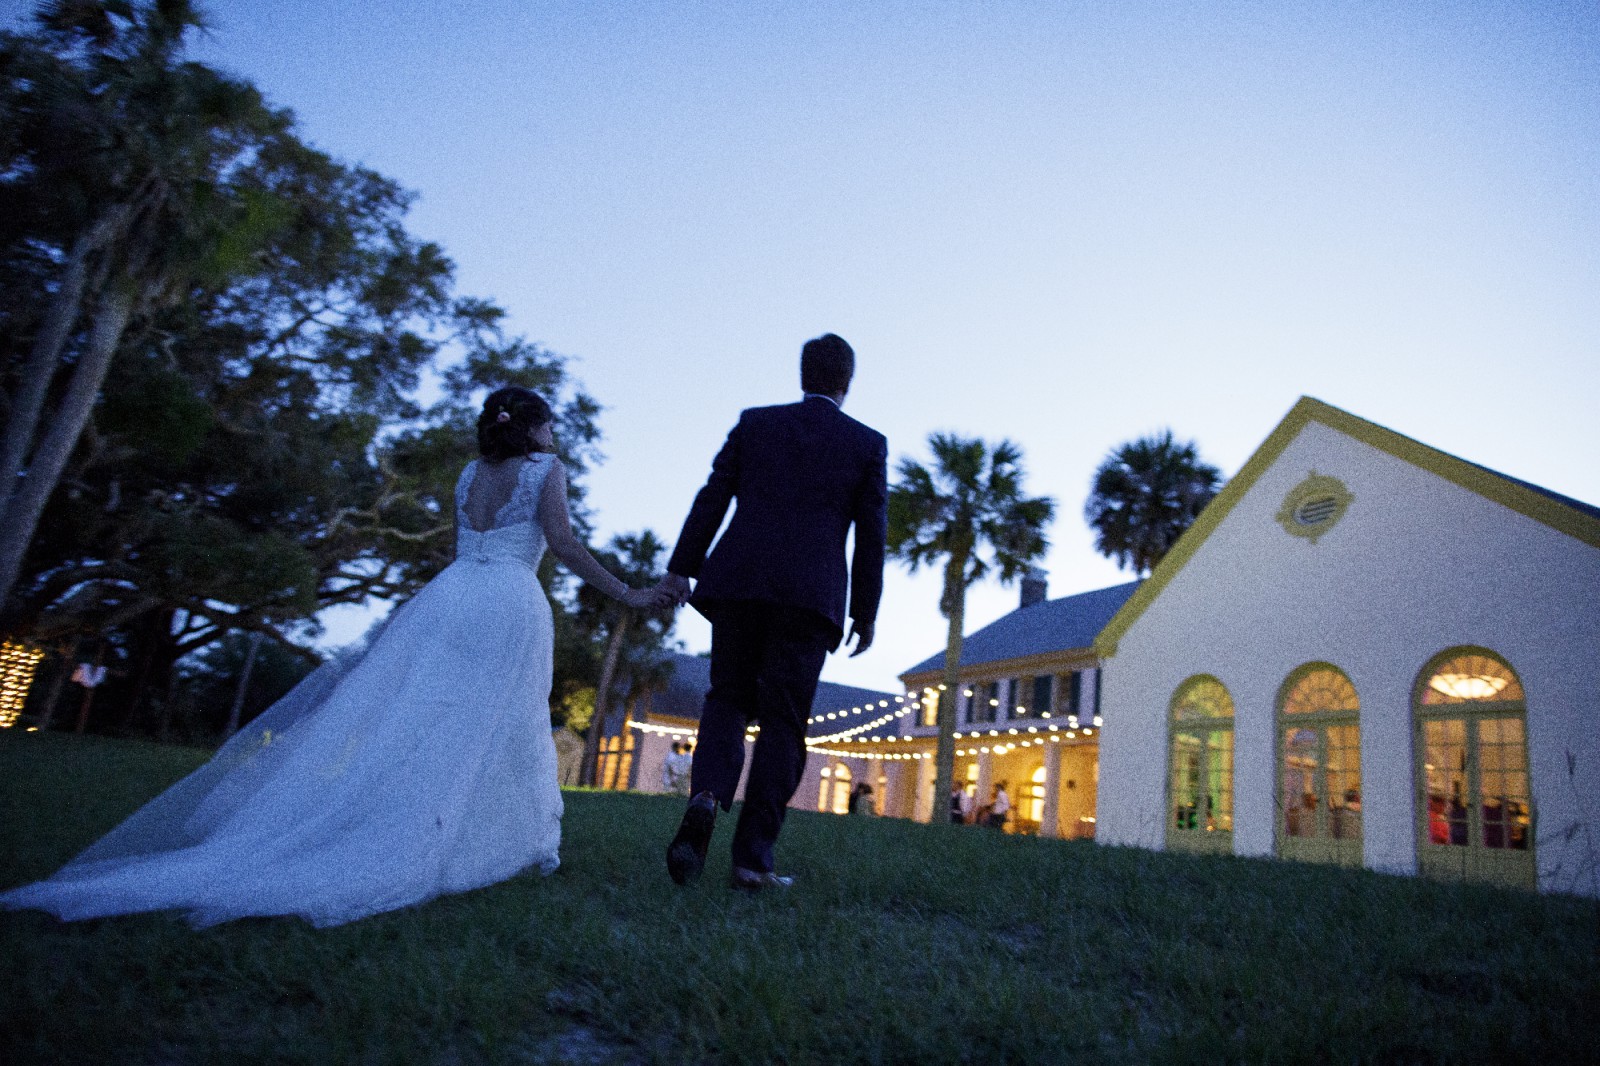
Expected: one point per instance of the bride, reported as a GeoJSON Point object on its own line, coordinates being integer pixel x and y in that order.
{"type": "Point", "coordinates": [418, 766]}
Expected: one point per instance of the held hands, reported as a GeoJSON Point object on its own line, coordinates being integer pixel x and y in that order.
{"type": "Point", "coordinates": [670, 592]}
{"type": "Point", "coordinates": [655, 598]}
{"type": "Point", "coordinates": [677, 586]}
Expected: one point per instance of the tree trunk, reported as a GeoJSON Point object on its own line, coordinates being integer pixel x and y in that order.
{"type": "Point", "coordinates": [169, 694]}
{"type": "Point", "coordinates": [588, 775]}
{"type": "Point", "coordinates": [955, 597]}
{"type": "Point", "coordinates": [153, 652]}
{"type": "Point", "coordinates": [26, 502]}
{"type": "Point", "coordinates": [45, 356]}
{"type": "Point", "coordinates": [57, 683]}
{"type": "Point", "coordinates": [244, 684]}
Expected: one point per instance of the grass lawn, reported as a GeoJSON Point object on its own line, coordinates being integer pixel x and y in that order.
{"type": "Point", "coordinates": [902, 943]}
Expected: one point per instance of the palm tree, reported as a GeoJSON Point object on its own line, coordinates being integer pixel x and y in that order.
{"type": "Point", "coordinates": [635, 558]}
{"type": "Point", "coordinates": [1144, 495]}
{"type": "Point", "coordinates": [971, 501]}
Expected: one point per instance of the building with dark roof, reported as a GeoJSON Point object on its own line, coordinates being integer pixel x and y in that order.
{"type": "Point", "coordinates": [1369, 652]}
{"type": "Point", "coordinates": [1026, 716]}
{"type": "Point", "coordinates": [1026, 712]}
{"type": "Point", "coordinates": [634, 754]}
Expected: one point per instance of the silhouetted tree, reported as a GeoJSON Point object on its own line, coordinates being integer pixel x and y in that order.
{"type": "Point", "coordinates": [126, 176]}
{"type": "Point", "coordinates": [632, 637]}
{"type": "Point", "coordinates": [969, 502]}
{"type": "Point", "coordinates": [1144, 495]}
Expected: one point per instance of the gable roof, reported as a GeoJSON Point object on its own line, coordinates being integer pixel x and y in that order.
{"type": "Point", "coordinates": [1561, 513]}
{"type": "Point", "coordinates": [1064, 624]}
{"type": "Point", "coordinates": [685, 694]}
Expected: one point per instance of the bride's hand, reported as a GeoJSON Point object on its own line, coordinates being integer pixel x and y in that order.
{"type": "Point", "coordinates": [650, 599]}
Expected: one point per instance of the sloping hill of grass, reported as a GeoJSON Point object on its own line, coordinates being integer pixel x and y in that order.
{"type": "Point", "coordinates": [903, 943]}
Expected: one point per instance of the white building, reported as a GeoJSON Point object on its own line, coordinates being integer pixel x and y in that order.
{"type": "Point", "coordinates": [1365, 651]}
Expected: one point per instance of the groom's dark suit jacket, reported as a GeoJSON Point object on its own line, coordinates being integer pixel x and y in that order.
{"type": "Point", "coordinates": [802, 474]}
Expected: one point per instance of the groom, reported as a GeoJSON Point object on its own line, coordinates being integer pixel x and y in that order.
{"type": "Point", "coordinates": [774, 590]}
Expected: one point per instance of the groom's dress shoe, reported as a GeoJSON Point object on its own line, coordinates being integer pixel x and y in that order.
{"type": "Point", "coordinates": [686, 855]}
{"type": "Point", "coordinates": [755, 881]}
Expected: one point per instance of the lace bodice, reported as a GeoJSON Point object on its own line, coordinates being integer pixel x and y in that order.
{"type": "Point", "coordinates": [515, 535]}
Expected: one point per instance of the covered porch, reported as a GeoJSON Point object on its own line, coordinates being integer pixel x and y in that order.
{"type": "Point", "coordinates": [1049, 774]}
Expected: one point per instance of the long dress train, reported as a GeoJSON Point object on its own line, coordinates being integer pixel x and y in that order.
{"type": "Point", "coordinates": [419, 766]}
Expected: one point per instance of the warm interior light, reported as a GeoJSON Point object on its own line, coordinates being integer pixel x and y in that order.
{"type": "Point", "coordinates": [17, 665]}
{"type": "Point", "coordinates": [1468, 686]}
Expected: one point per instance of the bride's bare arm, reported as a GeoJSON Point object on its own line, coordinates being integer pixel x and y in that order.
{"type": "Point", "coordinates": [556, 522]}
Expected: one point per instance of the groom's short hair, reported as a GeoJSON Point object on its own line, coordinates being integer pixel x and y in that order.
{"type": "Point", "coordinates": [827, 363]}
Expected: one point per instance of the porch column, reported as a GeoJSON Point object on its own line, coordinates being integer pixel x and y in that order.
{"type": "Point", "coordinates": [922, 790]}
{"type": "Point", "coordinates": [1049, 820]}
{"type": "Point", "coordinates": [985, 779]}
{"type": "Point", "coordinates": [893, 804]}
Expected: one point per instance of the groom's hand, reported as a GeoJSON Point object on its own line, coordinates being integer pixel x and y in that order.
{"type": "Point", "coordinates": [678, 586]}
{"type": "Point", "coordinates": [861, 632]}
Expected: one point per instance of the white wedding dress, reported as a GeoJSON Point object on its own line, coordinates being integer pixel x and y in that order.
{"type": "Point", "coordinates": [418, 766]}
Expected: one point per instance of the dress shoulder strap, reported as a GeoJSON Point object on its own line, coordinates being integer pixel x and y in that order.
{"type": "Point", "coordinates": [464, 483]}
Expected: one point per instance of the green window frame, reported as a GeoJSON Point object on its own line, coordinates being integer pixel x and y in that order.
{"type": "Point", "coordinates": [1200, 767]}
{"type": "Point", "coordinates": [1474, 805]}
{"type": "Point", "coordinates": [1318, 805]}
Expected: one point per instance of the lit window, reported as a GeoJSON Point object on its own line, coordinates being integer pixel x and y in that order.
{"type": "Point", "coordinates": [1200, 776]}
{"type": "Point", "coordinates": [1471, 678]}
{"type": "Point", "coordinates": [841, 789]}
{"type": "Point", "coordinates": [616, 762]}
{"type": "Point", "coordinates": [1319, 767]}
{"type": "Point", "coordinates": [1474, 809]}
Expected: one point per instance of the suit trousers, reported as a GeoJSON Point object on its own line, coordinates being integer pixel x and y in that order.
{"type": "Point", "coordinates": [765, 662]}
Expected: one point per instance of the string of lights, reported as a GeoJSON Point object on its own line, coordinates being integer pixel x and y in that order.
{"type": "Point", "coordinates": [1027, 735]}
{"type": "Point", "coordinates": [873, 755]}
{"type": "Point", "coordinates": [17, 665]}
{"type": "Point", "coordinates": [662, 730]}
{"type": "Point", "coordinates": [854, 730]}
{"type": "Point", "coordinates": [832, 715]}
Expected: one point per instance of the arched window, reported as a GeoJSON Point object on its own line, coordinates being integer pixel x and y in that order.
{"type": "Point", "coordinates": [1319, 767]}
{"type": "Point", "coordinates": [1200, 767]}
{"type": "Point", "coordinates": [1474, 808]}
{"type": "Point", "coordinates": [841, 788]}
{"type": "Point", "coordinates": [1036, 796]}
{"type": "Point", "coordinates": [825, 788]}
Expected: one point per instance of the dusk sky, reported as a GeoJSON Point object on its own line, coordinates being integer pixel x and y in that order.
{"type": "Point", "coordinates": [1068, 224]}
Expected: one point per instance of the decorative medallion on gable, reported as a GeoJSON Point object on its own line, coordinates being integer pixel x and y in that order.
{"type": "Point", "coordinates": [1314, 506]}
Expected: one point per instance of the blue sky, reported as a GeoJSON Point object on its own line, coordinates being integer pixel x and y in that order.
{"type": "Point", "coordinates": [1064, 223]}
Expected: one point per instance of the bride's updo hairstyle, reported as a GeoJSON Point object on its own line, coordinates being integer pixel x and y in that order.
{"type": "Point", "coordinates": [510, 415]}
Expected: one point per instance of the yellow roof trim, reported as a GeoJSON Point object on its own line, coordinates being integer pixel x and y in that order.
{"type": "Point", "coordinates": [1524, 501]}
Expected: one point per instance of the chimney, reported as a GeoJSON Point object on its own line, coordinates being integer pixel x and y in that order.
{"type": "Point", "coordinates": [1035, 586]}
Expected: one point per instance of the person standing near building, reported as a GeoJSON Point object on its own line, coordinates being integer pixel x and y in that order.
{"type": "Point", "coordinates": [999, 807]}
{"type": "Point", "coordinates": [675, 770]}
{"type": "Point", "coordinates": [959, 803]}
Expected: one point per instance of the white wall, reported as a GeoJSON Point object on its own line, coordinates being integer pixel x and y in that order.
{"type": "Point", "coordinates": [1417, 565]}
{"type": "Point", "coordinates": [650, 751]}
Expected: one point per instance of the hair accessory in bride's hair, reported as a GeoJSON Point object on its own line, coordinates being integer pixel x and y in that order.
{"type": "Point", "coordinates": [503, 416]}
